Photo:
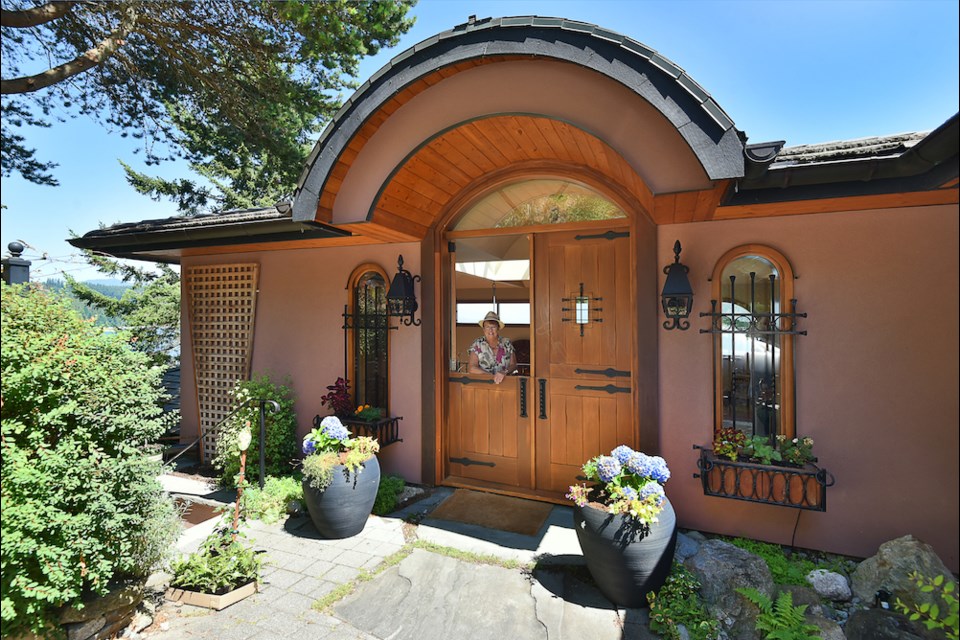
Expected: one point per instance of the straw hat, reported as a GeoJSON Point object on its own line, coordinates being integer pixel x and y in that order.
{"type": "Point", "coordinates": [491, 317]}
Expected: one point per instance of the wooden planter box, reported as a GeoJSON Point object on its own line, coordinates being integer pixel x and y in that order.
{"type": "Point", "coordinates": [796, 487]}
{"type": "Point", "coordinates": [209, 601]}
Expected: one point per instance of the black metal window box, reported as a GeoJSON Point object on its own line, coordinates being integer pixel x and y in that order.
{"type": "Point", "coordinates": [386, 431]}
{"type": "Point", "coordinates": [796, 487]}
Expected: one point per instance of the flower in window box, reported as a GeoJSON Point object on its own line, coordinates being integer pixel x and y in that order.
{"type": "Point", "coordinates": [796, 451]}
{"type": "Point", "coordinates": [728, 442]}
{"type": "Point", "coordinates": [368, 413]}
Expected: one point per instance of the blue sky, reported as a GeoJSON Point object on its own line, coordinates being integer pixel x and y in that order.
{"type": "Point", "coordinates": [803, 72]}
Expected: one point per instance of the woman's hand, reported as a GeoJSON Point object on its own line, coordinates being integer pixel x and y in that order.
{"type": "Point", "coordinates": [498, 377]}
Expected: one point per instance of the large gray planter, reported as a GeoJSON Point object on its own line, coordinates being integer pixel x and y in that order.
{"type": "Point", "coordinates": [341, 510]}
{"type": "Point", "coordinates": [626, 558]}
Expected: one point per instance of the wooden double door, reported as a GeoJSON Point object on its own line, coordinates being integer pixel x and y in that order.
{"type": "Point", "coordinates": [531, 434]}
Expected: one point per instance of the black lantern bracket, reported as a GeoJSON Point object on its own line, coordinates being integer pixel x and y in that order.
{"type": "Point", "coordinates": [401, 299]}
{"type": "Point", "coordinates": [677, 295]}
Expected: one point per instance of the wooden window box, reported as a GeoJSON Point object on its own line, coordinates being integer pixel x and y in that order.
{"type": "Point", "coordinates": [796, 487]}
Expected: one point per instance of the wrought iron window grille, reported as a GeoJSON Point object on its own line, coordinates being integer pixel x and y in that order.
{"type": "Point", "coordinates": [766, 327]}
{"type": "Point", "coordinates": [584, 310]}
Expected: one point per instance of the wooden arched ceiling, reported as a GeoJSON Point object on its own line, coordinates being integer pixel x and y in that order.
{"type": "Point", "coordinates": [484, 152]}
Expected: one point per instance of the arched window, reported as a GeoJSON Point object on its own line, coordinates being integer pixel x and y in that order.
{"type": "Point", "coordinates": [367, 331]}
{"type": "Point", "coordinates": [754, 328]}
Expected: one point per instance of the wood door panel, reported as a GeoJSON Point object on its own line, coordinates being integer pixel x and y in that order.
{"type": "Point", "coordinates": [487, 437]}
{"type": "Point", "coordinates": [586, 369]}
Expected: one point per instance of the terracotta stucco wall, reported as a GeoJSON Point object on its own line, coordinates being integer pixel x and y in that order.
{"type": "Point", "coordinates": [876, 384]}
{"type": "Point", "coordinates": [299, 315]}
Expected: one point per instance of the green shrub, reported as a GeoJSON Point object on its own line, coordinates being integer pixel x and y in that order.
{"type": "Point", "coordinates": [929, 614]}
{"type": "Point", "coordinates": [280, 446]}
{"type": "Point", "coordinates": [81, 501]}
{"type": "Point", "coordinates": [678, 603]}
{"type": "Point", "coordinates": [270, 503]}
{"type": "Point", "coordinates": [388, 494]}
{"type": "Point", "coordinates": [783, 569]}
{"type": "Point", "coordinates": [781, 620]}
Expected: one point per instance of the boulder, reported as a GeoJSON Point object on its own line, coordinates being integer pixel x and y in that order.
{"type": "Point", "coordinates": [687, 546]}
{"type": "Point", "coordinates": [829, 630]}
{"type": "Point", "coordinates": [880, 624]}
{"type": "Point", "coordinates": [830, 585]}
{"type": "Point", "coordinates": [804, 595]}
{"type": "Point", "coordinates": [890, 570]}
{"type": "Point", "coordinates": [722, 568]}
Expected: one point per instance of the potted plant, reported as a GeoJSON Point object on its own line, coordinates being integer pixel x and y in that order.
{"type": "Point", "coordinates": [368, 413]}
{"type": "Point", "coordinates": [224, 570]}
{"type": "Point", "coordinates": [625, 524]}
{"type": "Point", "coordinates": [340, 478]}
{"type": "Point", "coordinates": [338, 398]}
{"type": "Point", "coordinates": [796, 452]}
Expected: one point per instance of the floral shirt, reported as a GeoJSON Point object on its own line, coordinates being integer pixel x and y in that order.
{"type": "Point", "coordinates": [493, 361]}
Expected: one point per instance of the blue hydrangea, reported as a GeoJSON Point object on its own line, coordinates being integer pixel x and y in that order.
{"type": "Point", "coordinates": [333, 428]}
{"type": "Point", "coordinates": [309, 446]}
{"type": "Point", "coordinates": [630, 493]}
{"type": "Point", "coordinates": [639, 464]}
{"type": "Point", "coordinates": [659, 470]}
{"type": "Point", "coordinates": [622, 453]}
{"type": "Point", "coordinates": [652, 489]}
{"type": "Point", "coordinates": [607, 468]}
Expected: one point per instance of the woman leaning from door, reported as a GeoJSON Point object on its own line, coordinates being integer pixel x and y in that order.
{"type": "Point", "coordinates": [492, 353]}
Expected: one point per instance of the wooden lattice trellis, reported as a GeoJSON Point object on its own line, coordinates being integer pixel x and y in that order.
{"type": "Point", "coordinates": [222, 311]}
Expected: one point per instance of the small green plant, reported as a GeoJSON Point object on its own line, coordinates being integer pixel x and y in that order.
{"type": "Point", "coordinates": [222, 564]}
{"type": "Point", "coordinates": [759, 448]}
{"type": "Point", "coordinates": [780, 620]}
{"type": "Point", "coordinates": [929, 614]}
{"type": "Point", "coordinates": [280, 440]}
{"type": "Point", "coordinates": [332, 445]}
{"type": "Point", "coordinates": [784, 570]}
{"type": "Point", "coordinates": [270, 503]}
{"type": "Point", "coordinates": [678, 603]}
{"type": "Point", "coordinates": [387, 494]}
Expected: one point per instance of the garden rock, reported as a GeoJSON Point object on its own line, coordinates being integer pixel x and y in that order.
{"type": "Point", "coordinates": [829, 630]}
{"type": "Point", "coordinates": [879, 624]}
{"type": "Point", "coordinates": [890, 570]}
{"type": "Point", "coordinates": [722, 568]}
{"type": "Point", "coordinates": [687, 546]}
{"type": "Point", "coordinates": [803, 595]}
{"type": "Point", "coordinates": [125, 597]}
{"type": "Point", "coordinates": [830, 585]}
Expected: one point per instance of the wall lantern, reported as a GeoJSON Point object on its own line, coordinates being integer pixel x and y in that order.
{"type": "Point", "coordinates": [401, 299]}
{"type": "Point", "coordinates": [677, 295]}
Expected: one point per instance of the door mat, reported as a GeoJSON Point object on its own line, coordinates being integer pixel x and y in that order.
{"type": "Point", "coordinates": [494, 511]}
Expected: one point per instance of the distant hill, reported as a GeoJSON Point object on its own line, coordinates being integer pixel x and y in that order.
{"type": "Point", "coordinates": [110, 287]}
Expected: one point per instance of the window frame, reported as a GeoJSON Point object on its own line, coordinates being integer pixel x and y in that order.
{"type": "Point", "coordinates": [356, 276]}
{"type": "Point", "coordinates": [786, 373]}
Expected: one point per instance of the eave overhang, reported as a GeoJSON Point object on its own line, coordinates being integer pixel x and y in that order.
{"type": "Point", "coordinates": [162, 240]}
{"type": "Point", "coordinates": [777, 176]}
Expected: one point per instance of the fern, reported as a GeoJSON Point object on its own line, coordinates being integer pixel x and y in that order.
{"type": "Point", "coordinates": [780, 620]}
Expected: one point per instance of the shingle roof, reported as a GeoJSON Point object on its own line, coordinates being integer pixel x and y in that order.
{"type": "Point", "coordinates": [861, 148]}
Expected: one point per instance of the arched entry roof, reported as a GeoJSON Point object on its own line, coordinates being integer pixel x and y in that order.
{"type": "Point", "coordinates": [707, 131]}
